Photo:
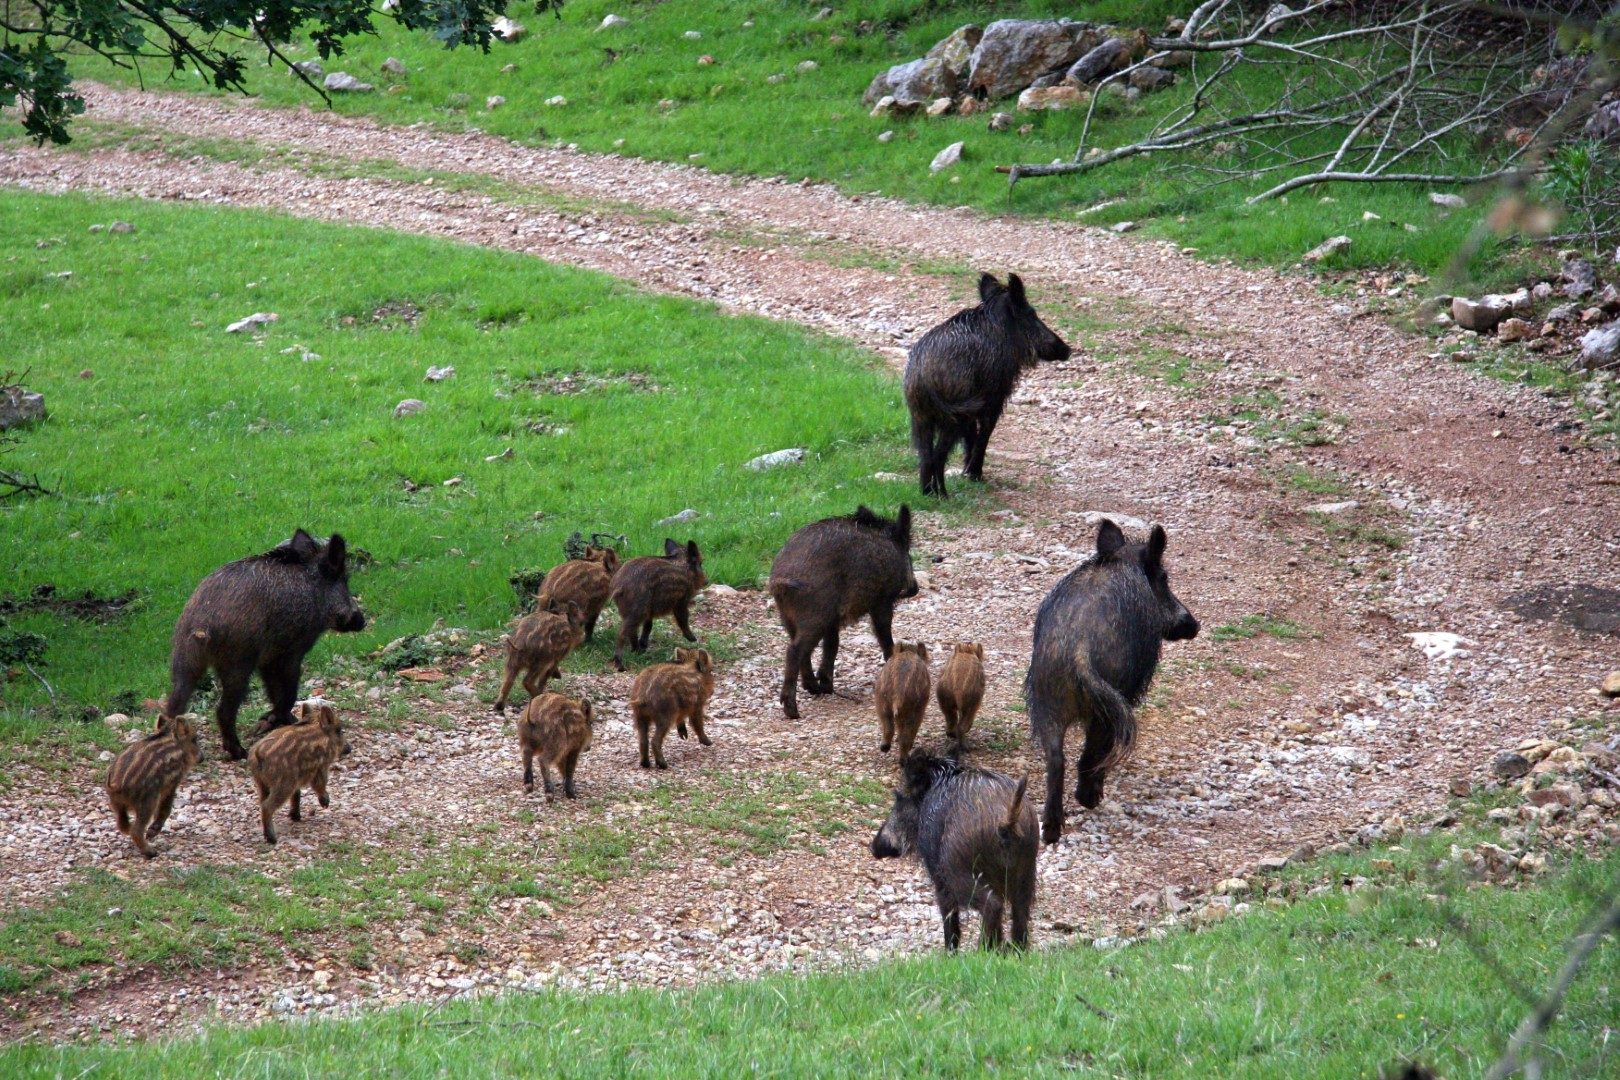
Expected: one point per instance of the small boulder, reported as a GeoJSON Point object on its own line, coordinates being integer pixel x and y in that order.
{"type": "Point", "coordinates": [1510, 765]}
{"type": "Point", "coordinates": [791, 456]}
{"type": "Point", "coordinates": [1564, 313]}
{"type": "Point", "coordinates": [946, 158]}
{"type": "Point", "coordinates": [393, 66]}
{"type": "Point", "coordinates": [956, 50]}
{"type": "Point", "coordinates": [1448, 200]}
{"type": "Point", "coordinates": [341, 82]}
{"type": "Point", "coordinates": [1015, 52]}
{"type": "Point", "coordinates": [1580, 277]}
{"type": "Point", "coordinates": [679, 519]}
{"type": "Point", "coordinates": [120, 227]}
{"type": "Point", "coordinates": [885, 136]}
{"type": "Point", "coordinates": [19, 406]}
{"type": "Point", "coordinates": [1326, 248]}
{"type": "Point", "coordinates": [1514, 330]}
{"type": "Point", "coordinates": [1600, 348]}
{"type": "Point", "coordinates": [556, 101]}
{"type": "Point", "coordinates": [1051, 99]}
{"type": "Point", "coordinates": [1149, 79]}
{"type": "Point", "coordinates": [693, 35]}
{"type": "Point", "coordinates": [1610, 686]}
{"type": "Point", "coordinates": [920, 81]}
{"type": "Point", "coordinates": [312, 68]}
{"type": "Point", "coordinates": [409, 407]}
{"type": "Point", "coordinates": [1480, 315]}
{"type": "Point", "coordinates": [940, 106]}
{"type": "Point", "coordinates": [439, 374]}
{"type": "Point", "coordinates": [610, 21]}
{"type": "Point", "coordinates": [1106, 58]}
{"type": "Point", "coordinates": [1001, 121]}
{"type": "Point", "coordinates": [258, 318]}
{"type": "Point", "coordinates": [1122, 226]}
{"type": "Point", "coordinates": [493, 102]}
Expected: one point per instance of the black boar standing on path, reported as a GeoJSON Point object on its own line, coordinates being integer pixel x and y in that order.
{"type": "Point", "coordinates": [829, 574]}
{"type": "Point", "coordinates": [959, 376]}
{"type": "Point", "coordinates": [1097, 639]}
{"type": "Point", "coordinates": [263, 614]}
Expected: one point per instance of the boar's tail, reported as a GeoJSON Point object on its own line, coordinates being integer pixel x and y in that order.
{"type": "Point", "coordinates": [1015, 811]}
{"type": "Point", "coordinates": [1110, 725]}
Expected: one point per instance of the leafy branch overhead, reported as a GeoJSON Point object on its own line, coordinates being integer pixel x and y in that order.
{"type": "Point", "coordinates": [215, 37]}
{"type": "Point", "coordinates": [1412, 91]}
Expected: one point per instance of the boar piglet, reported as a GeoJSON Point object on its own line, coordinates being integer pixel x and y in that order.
{"type": "Point", "coordinates": [668, 695]}
{"type": "Point", "coordinates": [144, 778]}
{"type": "Point", "coordinates": [961, 689]}
{"type": "Point", "coordinates": [556, 730]}
{"type": "Point", "coordinates": [976, 835]}
{"type": "Point", "coordinates": [901, 696]}
{"type": "Point", "coordinates": [537, 646]}
{"type": "Point", "coordinates": [652, 586]}
{"type": "Point", "coordinates": [587, 582]}
{"type": "Point", "coordinates": [294, 757]}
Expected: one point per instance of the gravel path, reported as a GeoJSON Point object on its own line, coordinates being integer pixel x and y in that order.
{"type": "Point", "coordinates": [1469, 493]}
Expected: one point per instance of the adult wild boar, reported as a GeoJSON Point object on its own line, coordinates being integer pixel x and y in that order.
{"type": "Point", "coordinates": [959, 375]}
{"type": "Point", "coordinates": [262, 613]}
{"type": "Point", "coordinates": [831, 573]}
{"type": "Point", "coordinates": [1097, 638]}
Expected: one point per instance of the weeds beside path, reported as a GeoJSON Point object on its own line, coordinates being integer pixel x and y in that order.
{"type": "Point", "coordinates": [1228, 404]}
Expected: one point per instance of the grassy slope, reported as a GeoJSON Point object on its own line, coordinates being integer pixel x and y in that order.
{"type": "Point", "coordinates": [190, 447]}
{"type": "Point", "coordinates": [662, 104]}
{"type": "Point", "coordinates": [1335, 985]}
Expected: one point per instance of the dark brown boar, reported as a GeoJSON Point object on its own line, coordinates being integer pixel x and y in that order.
{"type": "Point", "coordinates": [1097, 639]}
{"type": "Point", "coordinates": [556, 730]}
{"type": "Point", "coordinates": [668, 695]}
{"type": "Point", "coordinates": [587, 582]}
{"type": "Point", "coordinates": [144, 777]}
{"type": "Point", "coordinates": [651, 586]}
{"type": "Point", "coordinates": [961, 689]}
{"type": "Point", "coordinates": [902, 696]}
{"type": "Point", "coordinates": [537, 645]}
{"type": "Point", "coordinates": [263, 614]}
{"type": "Point", "coordinates": [830, 574]}
{"type": "Point", "coordinates": [294, 757]}
{"type": "Point", "coordinates": [977, 836]}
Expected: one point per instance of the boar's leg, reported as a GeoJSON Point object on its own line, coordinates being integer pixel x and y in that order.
{"type": "Point", "coordinates": [829, 658]}
{"type": "Point", "coordinates": [513, 666]}
{"type": "Point", "coordinates": [267, 816]}
{"type": "Point", "coordinates": [885, 726]}
{"type": "Point", "coordinates": [643, 733]}
{"type": "Point", "coordinates": [646, 636]}
{"type": "Point", "coordinates": [697, 727]}
{"type": "Point", "coordinates": [659, 735]}
{"type": "Point", "coordinates": [683, 615]}
{"type": "Point", "coordinates": [568, 772]}
{"type": "Point", "coordinates": [123, 817]}
{"type": "Point", "coordinates": [882, 620]}
{"type": "Point", "coordinates": [161, 818]}
{"type": "Point", "coordinates": [1052, 816]}
{"type": "Point", "coordinates": [528, 768]}
{"type": "Point", "coordinates": [319, 784]}
{"type": "Point", "coordinates": [1021, 897]}
{"type": "Point", "coordinates": [233, 687]}
{"type": "Point", "coordinates": [951, 917]}
{"type": "Point", "coordinates": [798, 657]}
{"type": "Point", "coordinates": [990, 922]}
{"type": "Point", "coordinates": [627, 634]}
{"type": "Point", "coordinates": [297, 810]}
{"type": "Point", "coordinates": [281, 677]}
{"type": "Point", "coordinates": [978, 439]}
{"type": "Point", "coordinates": [1088, 788]}
{"type": "Point", "coordinates": [137, 833]}
{"type": "Point", "coordinates": [545, 775]}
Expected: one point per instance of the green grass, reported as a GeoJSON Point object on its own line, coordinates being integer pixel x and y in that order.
{"type": "Point", "coordinates": [1340, 982]}
{"type": "Point", "coordinates": [654, 100]}
{"type": "Point", "coordinates": [1253, 625]}
{"type": "Point", "coordinates": [185, 447]}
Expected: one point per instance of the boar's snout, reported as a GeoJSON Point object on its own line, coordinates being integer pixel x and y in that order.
{"type": "Point", "coordinates": [883, 847]}
{"type": "Point", "coordinates": [349, 622]}
{"type": "Point", "coordinates": [1183, 628]}
{"type": "Point", "coordinates": [348, 748]}
{"type": "Point", "coordinates": [910, 589]}
{"type": "Point", "coordinates": [1051, 348]}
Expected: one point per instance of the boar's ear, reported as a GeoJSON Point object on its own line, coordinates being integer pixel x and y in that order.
{"type": "Point", "coordinates": [693, 555]}
{"type": "Point", "coordinates": [922, 651]}
{"type": "Point", "coordinates": [165, 722]}
{"type": "Point", "coordinates": [988, 287]}
{"type": "Point", "coordinates": [1015, 289]}
{"type": "Point", "coordinates": [1155, 548]}
{"type": "Point", "coordinates": [303, 545]}
{"type": "Point", "coordinates": [590, 712]}
{"type": "Point", "coordinates": [671, 548]}
{"type": "Point", "coordinates": [574, 614]}
{"type": "Point", "coordinates": [327, 716]}
{"type": "Point", "coordinates": [902, 527]}
{"type": "Point", "coordinates": [183, 729]}
{"type": "Point", "coordinates": [978, 650]}
{"type": "Point", "coordinates": [337, 556]}
{"type": "Point", "coordinates": [864, 516]}
{"type": "Point", "coordinates": [1109, 539]}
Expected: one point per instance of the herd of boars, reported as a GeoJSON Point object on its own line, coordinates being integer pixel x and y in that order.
{"type": "Point", "coordinates": [1097, 639]}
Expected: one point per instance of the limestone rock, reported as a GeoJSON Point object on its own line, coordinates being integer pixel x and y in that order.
{"type": "Point", "coordinates": [1148, 79]}
{"type": "Point", "coordinates": [1051, 99]}
{"type": "Point", "coordinates": [1013, 53]}
{"type": "Point", "coordinates": [409, 407]}
{"type": "Point", "coordinates": [1514, 330]}
{"type": "Point", "coordinates": [1447, 200]}
{"type": "Point", "coordinates": [393, 66]}
{"type": "Point", "coordinates": [19, 406]}
{"type": "Point", "coordinates": [258, 318]}
{"type": "Point", "coordinates": [1580, 277]}
{"type": "Point", "coordinates": [946, 158]}
{"type": "Point", "coordinates": [343, 83]}
{"type": "Point", "coordinates": [1108, 57]}
{"type": "Point", "coordinates": [956, 50]}
{"type": "Point", "coordinates": [1600, 348]}
{"type": "Point", "coordinates": [507, 30]}
{"type": "Point", "coordinates": [610, 21]}
{"type": "Point", "coordinates": [1611, 684]}
{"type": "Point", "coordinates": [1479, 315]}
{"type": "Point", "coordinates": [1326, 248]}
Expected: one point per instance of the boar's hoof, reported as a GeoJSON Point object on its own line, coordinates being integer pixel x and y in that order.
{"type": "Point", "coordinates": [149, 853]}
{"type": "Point", "coordinates": [704, 740]}
{"type": "Point", "coordinates": [1050, 832]}
{"type": "Point", "coordinates": [883, 748]}
{"type": "Point", "coordinates": [680, 729]}
{"type": "Point", "coordinates": [500, 707]}
{"type": "Point", "coordinates": [790, 708]}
